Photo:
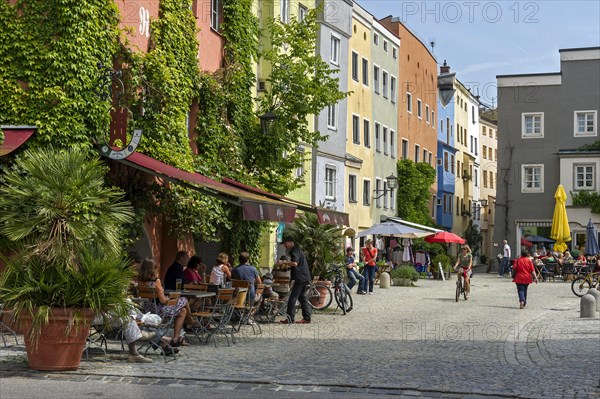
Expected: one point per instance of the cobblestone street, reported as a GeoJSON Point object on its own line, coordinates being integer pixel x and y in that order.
{"type": "Point", "coordinates": [409, 341]}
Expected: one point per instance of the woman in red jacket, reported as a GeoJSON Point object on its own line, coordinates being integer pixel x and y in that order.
{"type": "Point", "coordinates": [524, 274]}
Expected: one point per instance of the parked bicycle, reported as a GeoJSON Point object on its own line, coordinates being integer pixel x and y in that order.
{"type": "Point", "coordinates": [582, 283]}
{"type": "Point", "coordinates": [340, 290]}
{"type": "Point", "coordinates": [319, 295]}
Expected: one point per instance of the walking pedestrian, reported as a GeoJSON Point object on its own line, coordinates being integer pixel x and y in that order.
{"type": "Point", "coordinates": [369, 256]}
{"type": "Point", "coordinates": [524, 274]}
{"type": "Point", "coordinates": [505, 265]}
{"type": "Point", "coordinates": [300, 274]}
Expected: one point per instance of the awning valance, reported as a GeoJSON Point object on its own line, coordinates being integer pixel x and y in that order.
{"type": "Point", "coordinates": [14, 137]}
{"type": "Point", "coordinates": [255, 207]}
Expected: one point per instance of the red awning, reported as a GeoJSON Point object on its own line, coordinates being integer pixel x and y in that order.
{"type": "Point", "coordinates": [14, 137]}
{"type": "Point", "coordinates": [325, 216]}
{"type": "Point", "coordinates": [255, 207]}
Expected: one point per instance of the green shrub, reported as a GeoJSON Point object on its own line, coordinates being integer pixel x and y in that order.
{"type": "Point", "coordinates": [445, 260]}
{"type": "Point", "coordinates": [406, 271]}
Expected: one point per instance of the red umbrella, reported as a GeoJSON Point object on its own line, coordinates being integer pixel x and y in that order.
{"type": "Point", "coordinates": [445, 236]}
{"type": "Point", "coordinates": [526, 243]}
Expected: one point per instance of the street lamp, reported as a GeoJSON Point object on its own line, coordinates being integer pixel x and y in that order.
{"type": "Point", "coordinates": [267, 121]}
{"type": "Point", "coordinates": [392, 183]}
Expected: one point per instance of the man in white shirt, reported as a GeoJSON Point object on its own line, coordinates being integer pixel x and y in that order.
{"type": "Point", "coordinates": [505, 264]}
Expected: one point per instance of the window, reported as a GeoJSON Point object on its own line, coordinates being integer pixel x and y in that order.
{"type": "Point", "coordinates": [490, 153]}
{"type": "Point", "coordinates": [377, 137]}
{"type": "Point", "coordinates": [417, 150]}
{"type": "Point", "coordinates": [335, 50]}
{"type": "Point", "coordinates": [377, 190]}
{"type": "Point", "coordinates": [366, 192]}
{"type": "Point", "coordinates": [385, 198]}
{"type": "Point", "coordinates": [365, 71]}
{"type": "Point", "coordinates": [385, 45]}
{"type": "Point", "coordinates": [473, 113]}
{"type": "Point", "coordinates": [300, 168]}
{"type": "Point", "coordinates": [354, 66]}
{"type": "Point", "coordinates": [458, 169]}
{"type": "Point", "coordinates": [355, 129]}
{"type": "Point", "coordinates": [395, 55]}
{"type": "Point", "coordinates": [424, 155]}
{"type": "Point", "coordinates": [485, 179]}
{"type": "Point", "coordinates": [330, 182]}
{"type": "Point", "coordinates": [483, 129]}
{"type": "Point", "coordinates": [352, 188]}
{"type": "Point", "coordinates": [532, 125]}
{"type": "Point", "coordinates": [332, 117]}
{"type": "Point", "coordinates": [452, 163]}
{"type": "Point", "coordinates": [433, 118]}
{"type": "Point", "coordinates": [302, 11]}
{"type": "Point", "coordinates": [476, 177]}
{"type": "Point", "coordinates": [376, 79]}
{"type": "Point", "coordinates": [495, 155]}
{"type": "Point", "coordinates": [392, 199]}
{"type": "Point", "coordinates": [584, 177]}
{"type": "Point", "coordinates": [444, 203]}
{"type": "Point", "coordinates": [385, 79]}
{"type": "Point", "coordinates": [419, 109]}
{"type": "Point", "coordinates": [285, 11]}
{"type": "Point", "coordinates": [427, 113]}
{"type": "Point", "coordinates": [393, 89]}
{"type": "Point", "coordinates": [476, 146]}
{"type": "Point", "coordinates": [385, 139]}
{"type": "Point", "coordinates": [392, 140]}
{"type": "Point", "coordinates": [585, 123]}
{"type": "Point", "coordinates": [409, 102]}
{"type": "Point", "coordinates": [367, 133]}
{"type": "Point", "coordinates": [492, 179]}
{"type": "Point", "coordinates": [430, 158]}
{"type": "Point", "coordinates": [446, 161]}
{"type": "Point", "coordinates": [532, 178]}
{"type": "Point", "coordinates": [215, 15]}
{"type": "Point", "coordinates": [376, 39]}
{"type": "Point", "coordinates": [484, 153]}
{"type": "Point", "coordinates": [404, 149]}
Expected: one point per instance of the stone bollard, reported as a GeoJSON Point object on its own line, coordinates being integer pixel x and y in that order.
{"type": "Point", "coordinates": [596, 294]}
{"type": "Point", "coordinates": [384, 280]}
{"type": "Point", "coordinates": [587, 306]}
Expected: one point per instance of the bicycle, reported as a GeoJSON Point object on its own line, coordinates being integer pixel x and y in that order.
{"type": "Point", "coordinates": [319, 295]}
{"type": "Point", "coordinates": [460, 285]}
{"type": "Point", "coordinates": [582, 283]}
{"type": "Point", "coordinates": [340, 290]}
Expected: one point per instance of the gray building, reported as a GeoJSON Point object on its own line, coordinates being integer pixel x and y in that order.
{"type": "Point", "coordinates": [542, 118]}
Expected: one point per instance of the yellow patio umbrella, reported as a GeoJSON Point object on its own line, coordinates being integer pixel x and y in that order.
{"type": "Point", "coordinates": [560, 223]}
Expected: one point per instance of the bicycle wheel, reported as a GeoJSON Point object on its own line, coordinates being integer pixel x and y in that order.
{"type": "Point", "coordinates": [349, 300]}
{"type": "Point", "coordinates": [580, 285]}
{"type": "Point", "coordinates": [458, 290]}
{"type": "Point", "coordinates": [319, 296]}
{"type": "Point", "coordinates": [340, 298]}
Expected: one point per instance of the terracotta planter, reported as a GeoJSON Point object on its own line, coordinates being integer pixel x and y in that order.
{"type": "Point", "coordinates": [58, 348]}
{"type": "Point", "coordinates": [321, 301]}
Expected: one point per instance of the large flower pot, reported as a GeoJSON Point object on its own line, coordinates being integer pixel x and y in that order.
{"type": "Point", "coordinates": [60, 344]}
{"type": "Point", "coordinates": [318, 303]}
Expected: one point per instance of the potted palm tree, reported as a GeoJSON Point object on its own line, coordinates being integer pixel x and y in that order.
{"type": "Point", "coordinates": [64, 227]}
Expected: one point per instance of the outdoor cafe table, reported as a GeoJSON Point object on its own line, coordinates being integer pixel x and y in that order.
{"type": "Point", "coordinates": [193, 294]}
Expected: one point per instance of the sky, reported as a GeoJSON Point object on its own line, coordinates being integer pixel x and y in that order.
{"type": "Point", "coordinates": [482, 39]}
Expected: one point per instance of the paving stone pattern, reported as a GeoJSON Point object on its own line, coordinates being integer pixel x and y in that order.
{"type": "Point", "coordinates": [406, 341]}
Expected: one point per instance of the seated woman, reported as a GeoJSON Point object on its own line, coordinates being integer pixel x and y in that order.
{"type": "Point", "coordinates": [221, 271]}
{"type": "Point", "coordinates": [149, 278]}
{"type": "Point", "coordinates": [191, 274]}
{"type": "Point", "coordinates": [581, 259]}
{"type": "Point", "coordinates": [568, 257]}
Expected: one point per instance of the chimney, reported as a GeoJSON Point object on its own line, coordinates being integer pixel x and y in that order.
{"type": "Point", "coordinates": [444, 68]}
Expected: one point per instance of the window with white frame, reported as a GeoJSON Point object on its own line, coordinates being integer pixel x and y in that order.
{"type": "Point", "coordinates": [354, 66]}
{"type": "Point", "coordinates": [335, 50]}
{"type": "Point", "coordinates": [409, 102]}
{"type": "Point", "coordinates": [385, 197]}
{"type": "Point", "coordinates": [330, 180]}
{"type": "Point", "coordinates": [584, 177]}
{"type": "Point", "coordinates": [377, 191]}
{"type": "Point", "coordinates": [302, 11]}
{"type": "Point", "coordinates": [452, 163]}
{"type": "Point", "coordinates": [385, 45]}
{"type": "Point", "coordinates": [394, 52]}
{"type": "Point", "coordinates": [215, 14]}
{"type": "Point", "coordinates": [366, 192]}
{"type": "Point", "coordinates": [585, 123]}
{"type": "Point", "coordinates": [476, 177]}
{"type": "Point", "coordinates": [417, 150]}
{"type": "Point", "coordinates": [300, 168]}
{"type": "Point", "coordinates": [532, 125]}
{"type": "Point", "coordinates": [404, 149]}
{"type": "Point", "coordinates": [385, 139]}
{"type": "Point", "coordinates": [446, 166]}
{"type": "Point", "coordinates": [430, 158]}
{"type": "Point", "coordinates": [352, 188]}
{"type": "Point", "coordinates": [365, 71]}
{"type": "Point", "coordinates": [377, 136]}
{"type": "Point", "coordinates": [532, 178]}
{"type": "Point", "coordinates": [427, 113]}
{"type": "Point", "coordinates": [424, 155]}
{"type": "Point", "coordinates": [376, 79]}
{"type": "Point", "coordinates": [392, 141]}
{"type": "Point", "coordinates": [393, 89]}
{"type": "Point", "coordinates": [367, 133]}
{"type": "Point", "coordinates": [355, 129]}
{"type": "Point", "coordinates": [485, 179]}
{"type": "Point", "coordinates": [332, 116]}
{"type": "Point", "coordinates": [376, 39]}
{"type": "Point", "coordinates": [419, 109]}
{"type": "Point", "coordinates": [484, 152]}
{"type": "Point", "coordinates": [285, 11]}
{"type": "Point", "coordinates": [385, 78]}
{"type": "Point", "coordinates": [433, 118]}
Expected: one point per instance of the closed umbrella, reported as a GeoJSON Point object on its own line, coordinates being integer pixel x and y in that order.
{"type": "Point", "coordinates": [591, 240]}
{"type": "Point", "coordinates": [560, 222]}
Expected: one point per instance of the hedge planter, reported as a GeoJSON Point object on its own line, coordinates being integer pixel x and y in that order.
{"type": "Point", "coordinates": [59, 344]}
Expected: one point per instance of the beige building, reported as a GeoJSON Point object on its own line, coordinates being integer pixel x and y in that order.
{"type": "Point", "coordinates": [489, 176]}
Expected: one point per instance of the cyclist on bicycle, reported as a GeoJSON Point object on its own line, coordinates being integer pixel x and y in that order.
{"type": "Point", "coordinates": [465, 261]}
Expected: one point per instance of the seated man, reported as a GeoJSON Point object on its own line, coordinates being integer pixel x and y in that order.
{"type": "Point", "coordinates": [353, 274]}
{"type": "Point", "coordinates": [245, 271]}
{"type": "Point", "coordinates": [175, 271]}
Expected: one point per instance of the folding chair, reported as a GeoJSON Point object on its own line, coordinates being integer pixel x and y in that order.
{"type": "Point", "coordinates": [215, 319]}
{"type": "Point", "coordinates": [6, 330]}
{"type": "Point", "coordinates": [162, 329]}
{"type": "Point", "coordinates": [250, 309]}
